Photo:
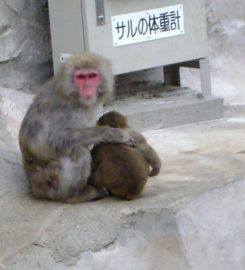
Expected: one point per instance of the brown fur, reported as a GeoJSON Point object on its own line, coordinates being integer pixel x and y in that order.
{"type": "Point", "coordinates": [121, 169]}
{"type": "Point", "coordinates": [58, 130]}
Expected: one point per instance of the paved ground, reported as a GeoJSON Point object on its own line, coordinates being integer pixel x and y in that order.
{"type": "Point", "coordinates": [191, 216]}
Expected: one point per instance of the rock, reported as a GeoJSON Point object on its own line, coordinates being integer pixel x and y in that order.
{"type": "Point", "coordinates": [226, 30]}
{"type": "Point", "coordinates": [25, 47]}
{"type": "Point", "coordinates": [189, 217]}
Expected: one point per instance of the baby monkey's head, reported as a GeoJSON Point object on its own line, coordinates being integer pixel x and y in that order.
{"type": "Point", "coordinates": [113, 119]}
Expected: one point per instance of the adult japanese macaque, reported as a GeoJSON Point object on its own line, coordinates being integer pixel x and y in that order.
{"type": "Point", "coordinates": [120, 169]}
{"type": "Point", "coordinates": [60, 127]}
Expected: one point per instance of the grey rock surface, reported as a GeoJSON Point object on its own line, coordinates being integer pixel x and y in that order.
{"type": "Point", "coordinates": [25, 47]}
{"type": "Point", "coordinates": [189, 217]}
{"type": "Point", "coordinates": [226, 29]}
{"type": "Point", "coordinates": [215, 222]}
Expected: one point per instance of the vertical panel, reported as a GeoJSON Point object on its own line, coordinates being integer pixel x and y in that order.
{"type": "Point", "coordinates": [66, 28]}
{"type": "Point", "coordinates": [205, 77]}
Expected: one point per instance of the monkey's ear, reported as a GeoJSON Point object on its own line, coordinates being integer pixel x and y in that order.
{"type": "Point", "coordinates": [107, 87]}
{"type": "Point", "coordinates": [99, 123]}
{"type": "Point", "coordinates": [60, 78]}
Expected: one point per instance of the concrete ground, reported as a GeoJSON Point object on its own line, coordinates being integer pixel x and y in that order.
{"type": "Point", "coordinates": [189, 217]}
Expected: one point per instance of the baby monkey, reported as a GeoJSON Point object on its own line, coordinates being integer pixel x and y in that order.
{"type": "Point", "coordinates": [121, 169]}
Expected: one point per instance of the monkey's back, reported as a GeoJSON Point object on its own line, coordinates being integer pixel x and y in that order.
{"type": "Point", "coordinates": [121, 169]}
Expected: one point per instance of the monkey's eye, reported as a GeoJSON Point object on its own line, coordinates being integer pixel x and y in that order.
{"type": "Point", "coordinates": [81, 77]}
{"type": "Point", "coordinates": [92, 75]}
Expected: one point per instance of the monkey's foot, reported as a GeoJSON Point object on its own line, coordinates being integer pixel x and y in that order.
{"type": "Point", "coordinates": [89, 193]}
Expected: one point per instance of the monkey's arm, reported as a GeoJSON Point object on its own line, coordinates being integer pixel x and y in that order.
{"type": "Point", "coordinates": [148, 152]}
{"type": "Point", "coordinates": [104, 134]}
{"type": "Point", "coordinates": [70, 138]}
{"type": "Point", "coordinates": [152, 158]}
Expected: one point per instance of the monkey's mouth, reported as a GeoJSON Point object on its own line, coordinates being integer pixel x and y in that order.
{"type": "Point", "coordinates": [86, 92]}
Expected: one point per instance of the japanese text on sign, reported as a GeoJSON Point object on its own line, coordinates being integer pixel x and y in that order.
{"type": "Point", "coordinates": [147, 25]}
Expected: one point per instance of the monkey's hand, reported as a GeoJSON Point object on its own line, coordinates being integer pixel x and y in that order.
{"type": "Point", "coordinates": [99, 134]}
{"type": "Point", "coordinates": [127, 139]}
{"type": "Point", "coordinates": [130, 142]}
{"type": "Point", "coordinates": [118, 135]}
{"type": "Point", "coordinates": [154, 171]}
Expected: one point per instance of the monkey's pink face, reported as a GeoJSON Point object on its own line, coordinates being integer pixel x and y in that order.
{"type": "Point", "coordinates": [87, 82]}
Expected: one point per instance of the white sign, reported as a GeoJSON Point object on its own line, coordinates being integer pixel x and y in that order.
{"type": "Point", "coordinates": [147, 25]}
